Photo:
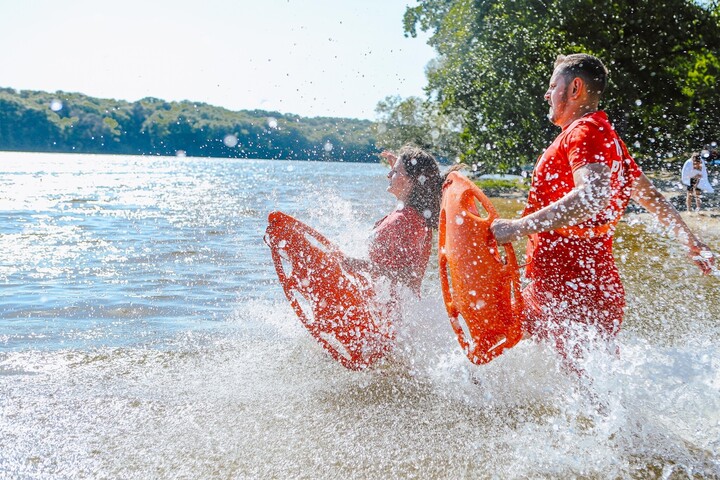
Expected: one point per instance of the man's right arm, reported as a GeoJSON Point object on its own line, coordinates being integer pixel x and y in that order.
{"type": "Point", "coordinates": [590, 196]}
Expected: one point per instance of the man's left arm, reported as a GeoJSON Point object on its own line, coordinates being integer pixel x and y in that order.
{"type": "Point", "coordinates": [652, 200]}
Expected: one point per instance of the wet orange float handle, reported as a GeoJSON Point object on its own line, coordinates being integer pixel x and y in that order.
{"type": "Point", "coordinates": [480, 282]}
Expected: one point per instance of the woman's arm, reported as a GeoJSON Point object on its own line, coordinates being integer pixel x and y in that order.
{"type": "Point", "coordinates": [390, 157]}
{"type": "Point", "coordinates": [350, 263]}
{"type": "Point", "coordinates": [372, 268]}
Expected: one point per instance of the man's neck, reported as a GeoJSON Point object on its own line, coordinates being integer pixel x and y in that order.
{"type": "Point", "coordinates": [580, 112]}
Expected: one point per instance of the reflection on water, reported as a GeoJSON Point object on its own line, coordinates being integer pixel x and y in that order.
{"type": "Point", "coordinates": [143, 334]}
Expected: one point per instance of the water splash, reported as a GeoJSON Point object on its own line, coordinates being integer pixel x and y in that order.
{"type": "Point", "coordinates": [230, 141]}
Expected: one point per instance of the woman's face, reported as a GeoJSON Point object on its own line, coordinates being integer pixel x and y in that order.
{"type": "Point", "coordinates": [400, 182]}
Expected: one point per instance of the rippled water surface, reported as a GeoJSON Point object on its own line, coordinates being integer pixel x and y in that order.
{"type": "Point", "coordinates": [143, 335]}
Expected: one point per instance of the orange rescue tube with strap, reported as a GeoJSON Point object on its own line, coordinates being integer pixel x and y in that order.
{"type": "Point", "coordinates": [334, 303]}
{"type": "Point", "coordinates": [481, 288]}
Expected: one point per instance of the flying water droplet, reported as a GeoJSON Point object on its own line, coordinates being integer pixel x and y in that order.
{"type": "Point", "coordinates": [230, 141]}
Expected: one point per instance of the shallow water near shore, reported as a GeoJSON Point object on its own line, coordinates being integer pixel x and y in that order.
{"type": "Point", "coordinates": [143, 334]}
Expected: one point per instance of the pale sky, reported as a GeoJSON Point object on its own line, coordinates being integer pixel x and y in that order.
{"type": "Point", "coordinates": [308, 57]}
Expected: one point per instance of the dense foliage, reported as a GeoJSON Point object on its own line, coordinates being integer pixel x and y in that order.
{"type": "Point", "coordinates": [71, 122]}
{"type": "Point", "coordinates": [495, 58]}
{"type": "Point", "coordinates": [419, 122]}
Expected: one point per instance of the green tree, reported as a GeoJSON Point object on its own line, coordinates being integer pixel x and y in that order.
{"type": "Point", "coordinates": [495, 58]}
{"type": "Point", "coordinates": [22, 127]}
{"type": "Point", "coordinates": [401, 121]}
{"type": "Point", "coordinates": [72, 122]}
{"type": "Point", "coordinates": [412, 120]}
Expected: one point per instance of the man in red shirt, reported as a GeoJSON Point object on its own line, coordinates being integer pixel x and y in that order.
{"type": "Point", "coordinates": [581, 186]}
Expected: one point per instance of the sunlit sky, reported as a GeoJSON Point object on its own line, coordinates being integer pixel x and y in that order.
{"type": "Point", "coordinates": [308, 57]}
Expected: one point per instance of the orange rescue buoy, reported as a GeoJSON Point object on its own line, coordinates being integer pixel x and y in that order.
{"type": "Point", "coordinates": [481, 287]}
{"type": "Point", "coordinates": [334, 303]}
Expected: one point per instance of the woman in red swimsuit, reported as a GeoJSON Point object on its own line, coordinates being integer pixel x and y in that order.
{"type": "Point", "coordinates": [401, 241]}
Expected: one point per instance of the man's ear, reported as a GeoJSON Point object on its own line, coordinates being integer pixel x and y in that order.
{"type": "Point", "coordinates": [576, 87]}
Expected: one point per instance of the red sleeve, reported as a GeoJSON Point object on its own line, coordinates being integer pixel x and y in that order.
{"type": "Point", "coordinates": [590, 143]}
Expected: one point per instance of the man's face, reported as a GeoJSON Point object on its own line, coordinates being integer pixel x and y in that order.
{"type": "Point", "coordinates": [557, 96]}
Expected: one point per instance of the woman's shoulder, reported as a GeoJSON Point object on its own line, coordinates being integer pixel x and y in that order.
{"type": "Point", "coordinates": [403, 216]}
{"type": "Point", "coordinates": [410, 215]}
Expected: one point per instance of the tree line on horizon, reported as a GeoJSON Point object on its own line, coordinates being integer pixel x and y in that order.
{"type": "Point", "coordinates": [73, 122]}
{"type": "Point", "coordinates": [484, 100]}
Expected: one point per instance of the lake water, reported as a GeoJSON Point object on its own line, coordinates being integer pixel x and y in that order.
{"type": "Point", "coordinates": [143, 334]}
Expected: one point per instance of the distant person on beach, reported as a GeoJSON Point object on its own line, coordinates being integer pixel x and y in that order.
{"type": "Point", "coordinates": [580, 188]}
{"type": "Point", "coordinates": [401, 241]}
{"type": "Point", "coordinates": [695, 177]}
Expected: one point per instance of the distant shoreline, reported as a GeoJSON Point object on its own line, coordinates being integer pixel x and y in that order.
{"type": "Point", "coordinates": [65, 122]}
{"type": "Point", "coordinates": [100, 154]}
